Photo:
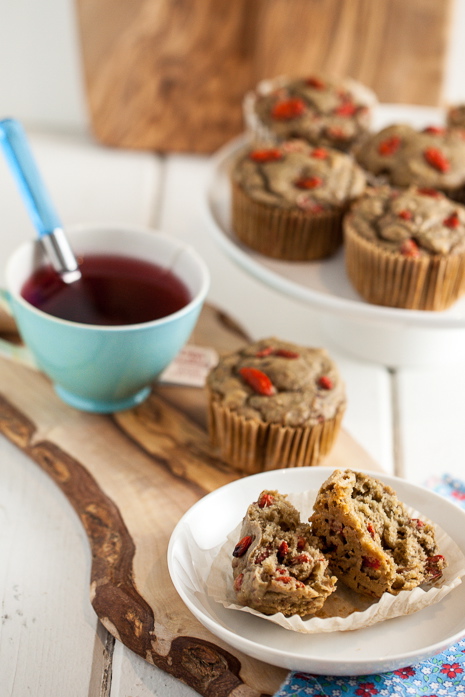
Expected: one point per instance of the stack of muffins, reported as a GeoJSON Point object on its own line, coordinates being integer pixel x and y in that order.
{"type": "Point", "coordinates": [314, 177]}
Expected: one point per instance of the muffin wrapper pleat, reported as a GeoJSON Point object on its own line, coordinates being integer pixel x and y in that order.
{"type": "Point", "coordinates": [251, 445]}
{"type": "Point", "coordinates": [387, 278]}
{"type": "Point", "coordinates": [282, 233]}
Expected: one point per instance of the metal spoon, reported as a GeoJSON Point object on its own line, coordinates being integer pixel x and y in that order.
{"type": "Point", "coordinates": [39, 204]}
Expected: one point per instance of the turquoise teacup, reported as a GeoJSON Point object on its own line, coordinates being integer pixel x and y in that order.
{"type": "Point", "coordinates": [105, 368]}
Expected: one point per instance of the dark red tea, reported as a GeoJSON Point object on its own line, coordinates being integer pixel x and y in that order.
{"type": "Point", "coordinates": [113, 290]}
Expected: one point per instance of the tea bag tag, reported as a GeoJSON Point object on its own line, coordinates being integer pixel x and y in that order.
{"type": "Point", "coordinates": [190, 367]}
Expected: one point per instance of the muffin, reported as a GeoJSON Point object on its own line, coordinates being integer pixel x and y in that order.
{"type": "Point", "coordinates": [406, 248]}
{"type": "Point", "coordinates": [323, 110]}
{"type": "Point", "coordinates": [372, 543]}
{"type": "Point", "coordinates": [288, 201]}
{"type": "Point", "coordinates": [455, 116]}
{"type": "Point", "coordinates": [276, 565]}
{"type": "Point", "coordinates": [401, 155]}
{"type": "Point", "coordinates": [274, 404]}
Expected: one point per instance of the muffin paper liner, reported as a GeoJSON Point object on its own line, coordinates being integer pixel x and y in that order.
{"type": "Point", "coordinates": [283, 233]}
{"type": "Point", "coordinates": [251, 445]}
{"type": "Point", "coordinates": [390, 279]}
{"type": "Point", "coordinates": [344, 610]}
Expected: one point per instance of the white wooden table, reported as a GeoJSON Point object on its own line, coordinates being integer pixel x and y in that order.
{"type": "Point", "coordinates": [410, 421]}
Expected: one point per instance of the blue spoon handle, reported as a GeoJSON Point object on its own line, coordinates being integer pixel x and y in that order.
{"type": "Point", "coordinates": [28, 178]}
{"type": "Point", "coordinates": [38, 202]}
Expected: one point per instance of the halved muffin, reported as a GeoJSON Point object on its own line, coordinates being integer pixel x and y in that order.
{"type": "Point", "coordinates": [276, 565]}
{"type": "Point", "coordinates": [372, 543]}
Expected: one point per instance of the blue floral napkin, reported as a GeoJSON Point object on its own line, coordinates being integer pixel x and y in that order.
{"type": "Point", "coordinates": [440, 676]}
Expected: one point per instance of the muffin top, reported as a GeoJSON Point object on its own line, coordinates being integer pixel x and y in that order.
{"type": "Point", "coordinates": [298, 175]}
{"type": "Point", "coordinates": [320, 109]}
{"type": "Point", "coordinates": [414, 222]}
{"type": "Point", "coordinates": [433, 157]}
{"type": "Point", "coordinates": [456, 116]}
{"type": "Point", "coordinates": [278, 382]}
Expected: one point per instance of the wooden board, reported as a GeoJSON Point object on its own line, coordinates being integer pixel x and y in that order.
{"type": "Point", "coordinates": [130, 477]}
{"type": "Point", "coordinates": [170, 76]}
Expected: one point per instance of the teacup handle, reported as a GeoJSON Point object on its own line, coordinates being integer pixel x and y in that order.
{"type": "Point", "coordinates": [19, 354]}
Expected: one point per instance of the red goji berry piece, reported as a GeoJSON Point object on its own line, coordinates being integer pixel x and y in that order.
{"type": "Point", "coordinates": [336, 133]}
{"type": "Point", "coordinates": [258, 381]}
{"type": "Point", "coordinates": [417, 522]}
{"type": "Point", "coordinates": [299, 559]}
{"type": "Point", "coordinates": [409, 248]}
{"type": "Point", "coordinates": [390, 145]}
{"type": "Point", "coordinates": [405, 214]}
{"type": "Point", "coordinates": [238, 582]}
{"type": "Point", "coordinates": [325, 382]}
{"type": "Point", "coordinates": [284, 579]}
{"type": "Point", "coordinates": [308, 182]}
{"type": "Point", "coordinates": [301, 542]}
{"type": "Point", "coordinates": [432, 565]}
{"type": "Point", "coordinates": [371, 530]}
{"type": "Point", "coordinates": [283, 549]}
{"type": "Point", "coordinates": [288, 109]}
{"type": "Point", "coordinates": [319, 153]}
{"type": "Point", "coordinates": [266, 155]}
{"type": "Point", "coordinates": [371, 562]}
{"type": "Point", "coordinates": [426, 191]}
{"type": "Point", "coordinates": [286, 353]}
{"type": "Point", "coordinates": [452, 221]}
{"type": "Point", "coordinates": [436, 159]}
{"type": "Point", "coordinates": [307, 204]}
{"type": "Point", "coordinates": [242, 546]}
{"type": "Point", "coordinates": [435, 130]}
{"type": "Point", "coordinates": [315, 82]}
{"type": "Point", "coordinates": [267, 351]}
{"type": "Point", "coordinates": [262, 556]}
{"type": "Point", "coordinates": [265, 501]}
{"type": "Point", "coordinates": [345, 109]}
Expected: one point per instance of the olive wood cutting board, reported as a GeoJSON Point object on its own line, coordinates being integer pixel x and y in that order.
{"type": "Point", "coordinates": [130, 477]}
{"type": "Point", "coordinates": [171, 76]}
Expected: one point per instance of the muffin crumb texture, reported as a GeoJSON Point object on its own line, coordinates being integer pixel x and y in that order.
{"type": "Point", "coordinates": [276, 565]}
{"type": "Point", "coordinates": [372, 543]}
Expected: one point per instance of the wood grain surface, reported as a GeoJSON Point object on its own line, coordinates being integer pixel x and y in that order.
{"type": "Point", "coordinates": [170, 75]}
{"type": "Point", "coordinates": [130, 477]}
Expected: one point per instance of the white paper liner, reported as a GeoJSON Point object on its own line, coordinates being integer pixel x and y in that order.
{"type": "Point", "coordinates": [214, 576]}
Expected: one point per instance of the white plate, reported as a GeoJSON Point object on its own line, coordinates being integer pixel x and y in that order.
{"type": "Point", "coordinates": [386, 646]}
{"type": "Point", "coordinates": [388, 335]}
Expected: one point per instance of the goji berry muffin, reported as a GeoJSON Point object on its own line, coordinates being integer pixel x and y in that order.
{"type": "Point", "coordinates": [372, 543]}
{"type": "Point", "coordinates": [276, 565]}
{"type": "Point", "coordinates": [401, 155]}
{"type": "Point", "coordinates": [274, 404]}
{"type": "Point", "coordinates": [288, 201]}
{"type": "Point", "coordinates": [323, 110]}
{"type": "Point", "coordinates": [455, 116]}
{"type": "Point", "coordinates": [405, 248]}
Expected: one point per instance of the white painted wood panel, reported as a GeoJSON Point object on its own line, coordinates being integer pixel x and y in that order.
{"type": "Point", "coordinates": [134, 677]}
{"type": "Point", "coordinates": [48, 641]}
{"type": "Point", "coordinates": [432, 422]}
